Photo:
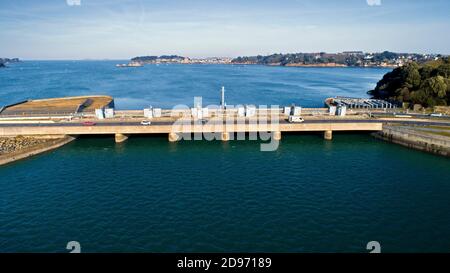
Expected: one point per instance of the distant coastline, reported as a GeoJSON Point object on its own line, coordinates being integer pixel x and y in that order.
{"type": "Point", "coordinates": [384, 59]}
{"type": "Point", "coordinates": [344, 59]}
{"type": "Point", "coordinates": [4, 61]}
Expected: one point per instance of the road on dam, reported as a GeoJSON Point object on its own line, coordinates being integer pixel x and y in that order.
{"type": "Point", "coordinates": [157, 123]}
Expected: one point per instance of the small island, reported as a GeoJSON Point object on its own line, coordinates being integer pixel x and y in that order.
{"type": "Point", "coordinates": [175, 59]}
{"type": "Point", "coordinates": [4, 61]}
{"type": "Point", "coordinates": [130, 64]}
{"type": "Point", "coordinates": [160, 59]}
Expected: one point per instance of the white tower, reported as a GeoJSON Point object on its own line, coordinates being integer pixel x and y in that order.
{"type": "Point", "coordinates": [222, 102]}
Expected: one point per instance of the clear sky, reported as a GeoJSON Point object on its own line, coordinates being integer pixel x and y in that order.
{"type": "Point", "coordinates": [121, 29]}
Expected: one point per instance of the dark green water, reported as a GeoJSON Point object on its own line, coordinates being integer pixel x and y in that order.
{"type": "Point", "coordinates": [149, 195]}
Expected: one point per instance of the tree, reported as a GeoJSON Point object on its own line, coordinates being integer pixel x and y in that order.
{"type": "Point", "coordinates": [404, 95]}
{"type": "Point", "coordinates": [425, 71]}
{"type": "Point", "coordinates": [443, 70]}
{"type": "Point", "coordinates": [435, 86]}
{"type": "Point", "coordinates": [411, 75]}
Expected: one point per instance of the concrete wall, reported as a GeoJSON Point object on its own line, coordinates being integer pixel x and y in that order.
{"type": "Point", "coordinates": [416, 140]}
{"type": "Point", "coordinates": [442, 109]}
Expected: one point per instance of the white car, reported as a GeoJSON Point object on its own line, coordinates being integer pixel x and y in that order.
{"type": "Point", "coordinates": [146, 122]}
{"type": "Point", "coordinates": [402, 116]}
{"type": "Point", "coordinates": [296, 119]}
{"type": "Point", "coordinates": [436, 115]}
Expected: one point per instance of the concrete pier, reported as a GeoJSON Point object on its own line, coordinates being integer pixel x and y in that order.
{"type": "Point", "coordinates": [120, 138]}
{"type": "Point", "coordinates": [277, 135]}
{"type": "Point", "coordinates": [174, 137]}
{"type": "Point", "coordinates": [328, 135]}
{"type": "Point", "coordinates": [225, 136]}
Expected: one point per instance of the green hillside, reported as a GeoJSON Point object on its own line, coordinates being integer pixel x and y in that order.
{"type": "Point", "coordinates": [427, 84]}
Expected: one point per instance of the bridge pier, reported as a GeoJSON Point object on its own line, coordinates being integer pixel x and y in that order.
{"type": "Point", "coordinates": [225, 136]}
{"type": "Point", "coordinates": [276, 135]}
{"type": "Point", "coordinates": [328, 135]}
{"type": "Point", "coordinates": [174, 137]}
{"type": "Point", "coordinates": [120, 138]}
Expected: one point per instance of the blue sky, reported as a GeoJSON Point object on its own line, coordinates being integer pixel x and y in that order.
{"type": "Point", "coordinates": [121, 29]}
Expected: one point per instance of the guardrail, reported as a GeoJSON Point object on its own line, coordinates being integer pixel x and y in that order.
{"type": "Point", "coordinates": [214, 112]}
{"type": "Point", "coordinates": [39, 114]}
{"type": "Point", "coordinates": [186, 112]}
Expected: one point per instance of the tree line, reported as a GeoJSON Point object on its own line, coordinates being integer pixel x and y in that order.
{"type": "Point", "coordinates": [345, 58]}
{"type": "Point", "coordinates": [427, 84]}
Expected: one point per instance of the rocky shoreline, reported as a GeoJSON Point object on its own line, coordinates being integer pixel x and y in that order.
{"type": "Point", "coordinates": [20, 147]}
{"type": "Point", "coordinates": [317, 65]}
{"type": "Point", "coordinates": [14, 144]}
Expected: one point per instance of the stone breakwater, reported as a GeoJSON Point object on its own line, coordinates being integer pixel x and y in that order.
{"type": "Point", "coordinates": [16, 148]}
{"type": "Point", "coordinates": [14, 144]}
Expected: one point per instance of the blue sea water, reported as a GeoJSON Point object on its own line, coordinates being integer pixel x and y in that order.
{"type": "Point", "coordinates": [170, 85]}
{"type": "Point", "coordinates": [149, 195]}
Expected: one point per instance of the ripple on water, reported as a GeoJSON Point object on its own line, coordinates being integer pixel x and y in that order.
{"type": "Point", "coordinates": [151, 195]}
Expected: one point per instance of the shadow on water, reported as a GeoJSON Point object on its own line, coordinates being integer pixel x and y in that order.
{"type": "Point", "coordinates": [234, 138]}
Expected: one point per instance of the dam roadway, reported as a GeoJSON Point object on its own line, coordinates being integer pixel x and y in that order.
{"type": "Point", "coordinates": [87, 115]}
{"type": "Point", "coordinates": [121, 129]}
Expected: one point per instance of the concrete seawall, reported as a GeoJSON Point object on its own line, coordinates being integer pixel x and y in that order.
{"type": "Point", "coordinates": [416, 140]}
{"type": "Point", "coordinates": [52, 144]}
